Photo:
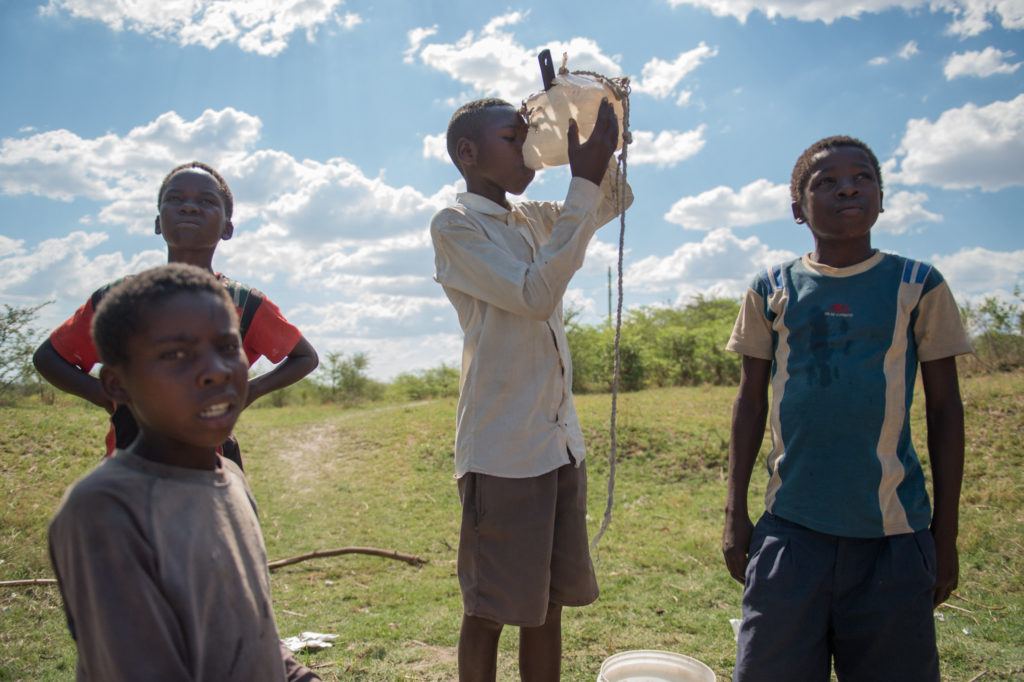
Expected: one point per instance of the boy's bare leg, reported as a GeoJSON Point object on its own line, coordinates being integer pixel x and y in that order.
{"type": "Point", "coordinates": [478, 649]}
{"type": "Point", "coordinates": [540, 649]}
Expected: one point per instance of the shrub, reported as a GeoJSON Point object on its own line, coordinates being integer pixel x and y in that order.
{"type": "Point", "coordinates": [997, 334]}
{"type": "Point", "coordinates": [659, 346]}
{"type": "Point", "coordinates": [440, 382]}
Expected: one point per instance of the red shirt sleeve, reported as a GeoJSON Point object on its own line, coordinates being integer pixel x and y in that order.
{"type": "Point", "coordinates": [73, 339]}
{"type": "Point", "coordinates": [270, 334]}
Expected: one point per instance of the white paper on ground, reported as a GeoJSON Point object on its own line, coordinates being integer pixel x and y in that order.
{"type": "Point", "coordinates": [309, 640]}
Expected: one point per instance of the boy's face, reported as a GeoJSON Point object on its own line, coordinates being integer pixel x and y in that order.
{"type": "Point", "coordinates": [495, 159]}
{"type": "Point", "coordinates": [192, 212]}
{"type": "Point", "coordinates": [842, 199]}
{"type": "Point", "coordinates": [186, 378]}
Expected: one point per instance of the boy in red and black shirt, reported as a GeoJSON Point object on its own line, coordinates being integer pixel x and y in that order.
{"type": "Point", "coordinates": [195, 206]}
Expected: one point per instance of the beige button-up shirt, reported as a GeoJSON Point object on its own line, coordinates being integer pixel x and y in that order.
{"type": "Point", "coordinates": [505, 271]}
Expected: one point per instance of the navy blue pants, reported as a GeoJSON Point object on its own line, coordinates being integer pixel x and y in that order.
{"type": "Point", "coordinates": [811, 598]}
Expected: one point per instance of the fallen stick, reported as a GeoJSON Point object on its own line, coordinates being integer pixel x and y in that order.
{"type": "Point", "coordinates": [273, 565]}
{"type": "Point", "coordinates": [28, 581]}
{"type": "Point", "coordinates": [959, 596]}
{"type": "Point", "coordinates": [373, 551]}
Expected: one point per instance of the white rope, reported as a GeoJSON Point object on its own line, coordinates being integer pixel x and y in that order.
{"type": "Point", "coordinates": [621, 88]}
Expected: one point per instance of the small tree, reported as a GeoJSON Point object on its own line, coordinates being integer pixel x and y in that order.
{"type": "Point", "coordinates": [997, 331]}
{"type": "Point", "coordinates": [18, 341]}
{"type": "Point", "coordinates": [347, 376]}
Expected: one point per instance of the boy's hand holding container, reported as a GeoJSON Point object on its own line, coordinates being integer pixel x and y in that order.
{"type": "Point", "coordinates": [590, 159]}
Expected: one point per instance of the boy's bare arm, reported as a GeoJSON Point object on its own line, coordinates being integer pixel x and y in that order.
{"type": "Point", "coordinates": [749, 415]}
{"type": "Point", "coordinates": [69, 378]}
{"type": "Point", "coordinates": [300, 362]}
{"type": "Point", "coordinates": [944, 413]}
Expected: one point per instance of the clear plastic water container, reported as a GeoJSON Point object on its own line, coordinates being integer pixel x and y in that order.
{"type": "Point", "coordinates": [571, 95]}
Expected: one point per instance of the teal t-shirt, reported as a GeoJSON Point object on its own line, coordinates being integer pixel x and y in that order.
{"type": "Point", "coordinates": [844, 345]}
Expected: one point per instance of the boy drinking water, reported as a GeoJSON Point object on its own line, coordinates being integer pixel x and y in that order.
{"type": "Point", "coordinates": [848, 561]}
{"type": "Point", "coordinates": [158, 551]}
{"type": "Point", "coordinates": [195, 206]}
{"type": "Point", "coordinates": [519, 455]}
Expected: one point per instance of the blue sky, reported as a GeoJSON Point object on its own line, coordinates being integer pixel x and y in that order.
{"type": "Point", "coordinates": [325, 117]}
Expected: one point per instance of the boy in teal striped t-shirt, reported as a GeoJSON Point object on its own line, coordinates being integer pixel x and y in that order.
{"type": "Point", "coordinates": [848, 560]}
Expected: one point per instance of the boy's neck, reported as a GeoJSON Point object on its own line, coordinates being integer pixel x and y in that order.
{"type": "Point", "coordinates": [200, 259]}
{"type": "Point", "coordinates": [487, 190]}
{"type": "Point", "coordinates": [163, 450]}
{"type": "Point", "coordinates": [842, 253]}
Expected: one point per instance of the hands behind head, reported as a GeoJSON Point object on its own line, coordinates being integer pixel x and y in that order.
{"type": "Point", "coordinates": [590, 159]}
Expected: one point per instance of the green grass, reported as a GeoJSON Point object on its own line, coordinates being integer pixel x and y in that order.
{"type": "Point", "coordinates": [381, 476]}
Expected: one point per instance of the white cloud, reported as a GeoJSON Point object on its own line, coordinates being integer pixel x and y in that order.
{"type": "Point", "coordinates": [390, 356]}
{"type": "Point", "coordinates": [323, 231]}
{"type": "Point", "coordinates": [122, 170]}
{"type": "Point", "coordinates": [64, 270]}
{"type": "Point", "coordinates": [603, 255]}
{"type": "Point", "coordinates": [576, 299]}
{"type": "Point", "coordinates": [983, 64]}
{"type": "Point", "coordinates": [908, 50]}
{"type": "Point", "coordinates": [759, 202]}
{"type": "Point", "coordinates": [373, 315]}
{"type": "Point", "coordinates": [720, 265]}
{"type": "Point", "coordinates": [977, 271]}
{"type": "Point", "coordinates": [683, 100]}
{"type": "Point", "coordinates": [659, 78]}
{"type": "Point", "coordinates": [903, 212]}
{"type": "Point", "coordinates": [494, 63]}
{"type": "Point", "coordinates": [969, 17]}
{"type": "Point", "coordinates": [964, 148]}
{"type": "Point", "coordinates": [10, 246]}
{"type": "Point", "coordinates": [667, 148]}
{"type": "Point", "coordinates": [436, 147]}
{"type": "Point", "coordinates": [260, 27]}
{"type": "Point", "coordinates": [349, 21]}
{"type": "Point", "coordinates": [972, 17]}
{"type": "Point", "coordinates": [416, 37]}
{"type": "Point", "coordinates": [824, 10]}
{"type": "Point", "coordinates": [762, 201]}
{"type": "Point", "coordinates": [309, 201]}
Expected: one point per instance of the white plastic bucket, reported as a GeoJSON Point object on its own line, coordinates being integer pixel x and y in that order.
{"type": "Point", "coordinates": [653, 666]}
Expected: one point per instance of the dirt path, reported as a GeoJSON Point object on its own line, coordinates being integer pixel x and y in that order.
{"type": "Point", "coordinates": [316, 451]}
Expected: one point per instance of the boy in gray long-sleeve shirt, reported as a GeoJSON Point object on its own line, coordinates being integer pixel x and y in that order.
{"type": "Point", "coordinates": [158, 551]}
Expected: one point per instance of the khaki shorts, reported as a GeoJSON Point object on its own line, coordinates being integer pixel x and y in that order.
{"type": "Point", "coordinates": [524, 545]}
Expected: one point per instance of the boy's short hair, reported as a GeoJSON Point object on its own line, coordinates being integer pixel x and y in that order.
{"type": "Point", "coordinates": [222, 185]}
{"type": "Point", "coordinates": [120, 313]}
{"type": "Point", "coordinates": [802, 168]}
{"type": "Point", "coordinates": [467, 122]}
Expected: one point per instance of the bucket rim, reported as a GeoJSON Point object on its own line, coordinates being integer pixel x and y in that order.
{"type": "Point", "coordinates": [687, 663]}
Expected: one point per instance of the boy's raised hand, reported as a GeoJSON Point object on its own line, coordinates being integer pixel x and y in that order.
{"type": "Point", "coordinates": [590, 159]}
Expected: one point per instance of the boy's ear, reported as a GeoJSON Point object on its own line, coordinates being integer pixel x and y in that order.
{"type": "Point", "coordinates": [798, 213]}
{"type": "Point", "coordinates": [465, 152]}
{"type": "Point", "coordinates": [881, 203]}
{"type": "Point", "coordinates": [112, 385]}
{"type": "Point", "coordinates": [156, 225]}
{"type": "Point", "coordinates": [229, 229]}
